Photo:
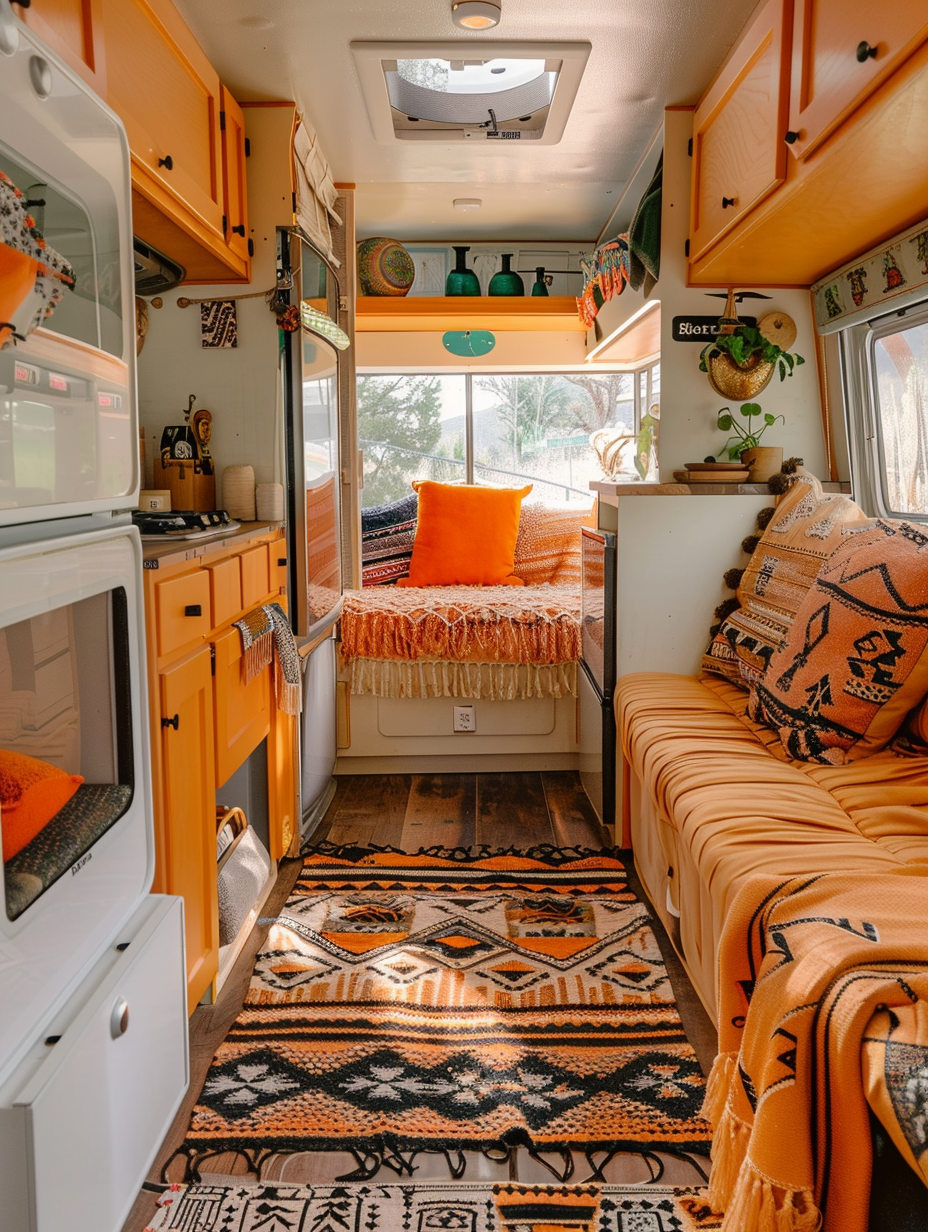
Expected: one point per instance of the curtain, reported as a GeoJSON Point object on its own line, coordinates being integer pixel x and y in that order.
{"type": "Point", "coordinates": [315, 191]}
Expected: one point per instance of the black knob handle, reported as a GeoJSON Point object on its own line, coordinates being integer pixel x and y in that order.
{"type": "Point", "coordinates": [865, 52]}
{"type": "Point", "coordinates": [167, 162]}
{"type": "Point", "coordinates": [727, 201]}
{"type": "Point", "coordinates": [281, 560]}
{"type": "Point", "coordinates": [790, 137]}
{"type": "Point", "coordinates": [239, 230]}
{"type": "Point", "coordinates": [251, 247]}
{"type": "Point", "coordinates": [175, 722]}
{"type": "Point", "coordinates": [193, 609]}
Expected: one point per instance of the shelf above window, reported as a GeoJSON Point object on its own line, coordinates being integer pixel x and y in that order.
{"type": "Point", "coordinates": [425, 314]}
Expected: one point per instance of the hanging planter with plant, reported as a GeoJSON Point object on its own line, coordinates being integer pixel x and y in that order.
{"type": "Point", "coordinates": [741, 360]}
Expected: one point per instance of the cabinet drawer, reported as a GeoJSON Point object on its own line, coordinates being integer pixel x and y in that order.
{"type": "Point", "coordinates": [91, 1114]}
{"type": "Point", "coordinates": [255, 575]}
{"type": "Point", "coordinates": [242, 711]}
{"type": "Point", "coordinates": [225, 590]}
{"type": "Point", "coordinates": [833, 70]}
{"type": "Point", "coordinates": [278, 555]}
{"type": "Point", "coordinates": [182, 611]}
{"type": "Point", "coordinates": [739, 156]}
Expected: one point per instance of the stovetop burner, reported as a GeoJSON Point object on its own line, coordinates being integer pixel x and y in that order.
{"type": "Point", "coordinates": [183, 523]}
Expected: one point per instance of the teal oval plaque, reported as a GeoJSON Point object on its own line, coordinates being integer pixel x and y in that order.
{"type": "Point", "coordinates": [468, 342]}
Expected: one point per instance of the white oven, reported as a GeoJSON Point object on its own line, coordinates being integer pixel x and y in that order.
{"type": "Point", "coordinates": [93, 1023]}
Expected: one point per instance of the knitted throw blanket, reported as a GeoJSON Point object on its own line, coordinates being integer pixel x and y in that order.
{"type": "Point", "coordinates": [480, 624]}
{"type": "Point", "coordinates": [812, 970]}
{"type": "Point", "coordinates": [264, 631]}
{"type": "Point", "coordinates": [257, 642]}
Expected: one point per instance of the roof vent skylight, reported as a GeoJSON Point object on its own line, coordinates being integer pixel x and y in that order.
{"type": "Point", "coordinates": [458, 90]}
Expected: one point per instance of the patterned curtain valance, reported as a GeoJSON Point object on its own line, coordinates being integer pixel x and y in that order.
{"type": "Point", "coordinates": [315, 192]}
{"type": "Point", "coordinates": [884, 279]}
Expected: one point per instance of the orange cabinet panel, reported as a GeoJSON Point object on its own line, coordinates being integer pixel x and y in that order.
{"type": "Point", "coordinates": [842, 50]}
{"type": "Point", "coordinates": [225, 590]}
{"type": "Point", "coordinates": [167, 94]}
{"type": "Point", "coordinates": [182, 611]}
{"type": "Point", "coordinates": [234, 188]}
{"type": "Point", "coordinates": [255, 575]}
{"type": "Point", "coordinates": [739, 156]}
{"type": "Point", "coordinates": [189, 808]}
{"type": "Point", "coordinates": [278, 556]}
{"type": "Point", "coordinates": [242, 711]}
{"type": "Point", "coordinates": [74, 29]}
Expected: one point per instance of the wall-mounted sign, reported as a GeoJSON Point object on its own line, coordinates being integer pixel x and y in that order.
{"type": "Point", "coordinates": [469, 342]}
{"type": "Point", "coordinates": [700, 328]}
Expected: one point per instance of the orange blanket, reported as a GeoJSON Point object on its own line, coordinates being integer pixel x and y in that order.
{"type": "Point", "coordinates": [476, 624]}
{"type": "Point", "coordinates": [804, 966]}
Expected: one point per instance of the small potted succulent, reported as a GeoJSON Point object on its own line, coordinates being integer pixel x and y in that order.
{"type": "Point", "coordinates": [744, 443]}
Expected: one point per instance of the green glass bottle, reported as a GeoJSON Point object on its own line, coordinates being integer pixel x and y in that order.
{"type": "Point", "coordinates": [506, 281]}
{"type": "Point", "coordinates": [461, 280]}
{"type": "Point", "coordinates": [539, 286]}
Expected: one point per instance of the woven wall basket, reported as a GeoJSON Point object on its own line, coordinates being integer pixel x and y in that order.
{"type": "Point", "coordinates": [738, 382]}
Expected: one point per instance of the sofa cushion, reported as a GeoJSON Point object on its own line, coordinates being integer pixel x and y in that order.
{"type": "Point", "coordinates": [548, 546]}
{"type": "Point", "coordinates": [856, 660]}
{"type": "Point", "coordinates": [808, 526]}
{"type": "Point", "coordinates": [387, 535]}
{"type": "Point", "coordinates": [466, 535]}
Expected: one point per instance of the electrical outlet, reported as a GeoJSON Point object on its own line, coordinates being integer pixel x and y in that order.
{"type": "Point", "coordinates": [465, 719]}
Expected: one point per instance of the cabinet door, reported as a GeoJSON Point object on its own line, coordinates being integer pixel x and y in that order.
{"type": "Point", "coordinates": [167, 95]}
{"type": "Point", "coordinates": [833, 69]}
{"type": "Point", "coordinates": [182, 611]}
{"type": "Point", "coordinates": [739, 156]}
{"type": "Point", "coordinates": [189, 821]}
{"type": "Point", "coordinates": [242, 711]}
{"type": "Point", "coordinates": [74, 29]}
{"type": "Point", "coordinates": [234, 191]}
{"type": "Point", "coordinates": [255, 575]}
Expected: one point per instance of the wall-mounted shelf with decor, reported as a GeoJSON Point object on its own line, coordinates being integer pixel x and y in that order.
{"type": "Point", "coordinates": [426, 314]}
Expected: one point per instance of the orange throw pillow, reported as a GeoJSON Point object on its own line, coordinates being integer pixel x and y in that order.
{"type": "Point", "coordinates": [856, 660]}
{"type": "Point", "coordinates": [31, 793]}
{"type": "Point", "coordinates": [466, 535]}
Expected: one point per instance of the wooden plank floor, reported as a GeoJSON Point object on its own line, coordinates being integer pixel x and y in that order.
{"type": "Point", "coordinates": [409, 811]}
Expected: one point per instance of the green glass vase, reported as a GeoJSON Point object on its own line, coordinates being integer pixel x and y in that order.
{"type": "Point", "coordinates": [539, 286]}
{"type": "Point", "coordinates": [461, 280]}
{"type": "Point", "coordinates": [506, 281]}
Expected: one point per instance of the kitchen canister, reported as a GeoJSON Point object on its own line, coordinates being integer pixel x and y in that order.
{"type": "Point", "coordinates": [238, 492]}
{"type": "Point", "coordinates": [269, 502]}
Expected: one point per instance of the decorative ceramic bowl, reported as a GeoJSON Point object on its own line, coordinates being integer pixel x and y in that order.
{"type": "Point", "coordinates": [384, 267]}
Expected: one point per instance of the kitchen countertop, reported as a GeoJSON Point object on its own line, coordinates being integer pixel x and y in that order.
{"type": "Point", "coordinates": [610, 489]}
{"type": "Point", "coordinates": [156, 553]}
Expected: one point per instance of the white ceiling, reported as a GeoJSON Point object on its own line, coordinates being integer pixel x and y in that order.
{"type": "Point", "coordinates": [646, 54]}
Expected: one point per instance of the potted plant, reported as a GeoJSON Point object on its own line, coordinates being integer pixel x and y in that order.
{"type": "Point", "coordinates": [744, 444]}
{"type": "Point", "coordinates": [741, 358]}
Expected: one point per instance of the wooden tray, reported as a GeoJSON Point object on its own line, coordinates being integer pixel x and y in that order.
{"type": "Point", "coordinates": [736, 474]}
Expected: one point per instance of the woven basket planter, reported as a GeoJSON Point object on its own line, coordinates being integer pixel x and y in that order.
{"type": "Point", "coordinates": [738, 382]}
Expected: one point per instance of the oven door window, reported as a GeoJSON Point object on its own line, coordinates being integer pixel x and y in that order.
{"type": "Point", "coordinates": [66, 756]}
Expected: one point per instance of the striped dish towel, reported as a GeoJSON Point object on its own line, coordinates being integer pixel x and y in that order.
{"type": "Point", "coordinates": [257, 630]}
{"type": "Point", "coordinates": [287, 673]}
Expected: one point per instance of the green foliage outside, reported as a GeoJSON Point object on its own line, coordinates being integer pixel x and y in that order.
{"type": "Point", "coordinates": [398, 423]}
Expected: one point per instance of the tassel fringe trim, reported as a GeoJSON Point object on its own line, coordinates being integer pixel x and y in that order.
{"type": "Point", "coordinates": [446, 678]}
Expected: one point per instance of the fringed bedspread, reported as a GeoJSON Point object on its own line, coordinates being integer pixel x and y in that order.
{"type": "Point", "coordinates": [494, 642]}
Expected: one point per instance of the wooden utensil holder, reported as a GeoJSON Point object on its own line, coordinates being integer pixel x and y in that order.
{"type": "Point", "coordinates": [189, 488]}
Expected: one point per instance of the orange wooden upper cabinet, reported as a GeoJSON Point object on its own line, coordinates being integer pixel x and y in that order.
{"type": "Point", "coordinates": [739, 156]}
{"type": "Point", "coordinates": [167, 95]}
{"type": "Point", "coordinates": [842, 50]}
{"type": "Point", "coordinates": [234, 187]}
{"type": "Point", "coordinates": [74, 29]}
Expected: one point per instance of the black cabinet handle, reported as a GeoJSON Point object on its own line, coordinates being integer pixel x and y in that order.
{"type": "Point", "coordinates": [281, 560]}
{"type": "Point", "coordinates": [193, 609]}
{"type": "Point", "coordinates": [251, 247]}
{"type": "Point", "coordinates": [175, 722]}
{"type": "Point", "coordinates": [790, 137]}
{"type": "Point", "coordinates": [239, 230]}
{"type": "Point", "coordinates": [167, 162]}
{"type": "Point", "coordinates": [727, 201]}
{"type": "Point", "coordinates": [865, 52]}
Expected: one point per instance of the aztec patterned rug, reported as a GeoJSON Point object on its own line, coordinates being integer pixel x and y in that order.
{"type": "Point", "coordinates": [429, 1207]}
{"type": "Point", "coordinates": [449, 1001]}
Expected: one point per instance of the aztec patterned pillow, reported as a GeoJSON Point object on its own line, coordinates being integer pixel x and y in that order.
{"type": "Point", "coordinates": [808, 526]}
{"type": "Point", "coordinates": [548, 546]}
{"type": "Point", "coordinates": [856, 660]}
{"type": "Point", "coordinates": [387, 536]}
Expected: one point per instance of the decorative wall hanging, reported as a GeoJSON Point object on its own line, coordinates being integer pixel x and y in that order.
{"type": "Point", "coordinates": [384, 267]}
{"type": "Point", "coordinates": [218, 324]}
{"type": "Point", "coordinates": [469, 343]}
{"type": "Point", "coordinates": [431, 266]}
{"type": "Point", "coordinates": [33, 276]}
{"type": "Point", "coordinates": [606, 273]}
{"type": "Point", "coordinates": [886, 277]}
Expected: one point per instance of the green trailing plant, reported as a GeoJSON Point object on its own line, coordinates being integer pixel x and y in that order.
{"type": "Point", "coordinates": [746, 436]}
{"type": "Point", "coordinates": [745, 343]}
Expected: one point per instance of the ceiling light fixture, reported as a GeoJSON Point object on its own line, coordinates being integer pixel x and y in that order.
{"type": "Point", "coordinates": [467, 203]}
{"type": "Point", "coordinates": [475, 14]}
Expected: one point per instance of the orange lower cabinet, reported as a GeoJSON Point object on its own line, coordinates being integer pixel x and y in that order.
{"type": "Point", "coordinates": [242, 711]}
{"type": "Point", "coordinates": [189, 808]}
{"type": "Point", "coordinates": [283, 815]}
{"type": "Point", "coordinates": [255, 575]}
